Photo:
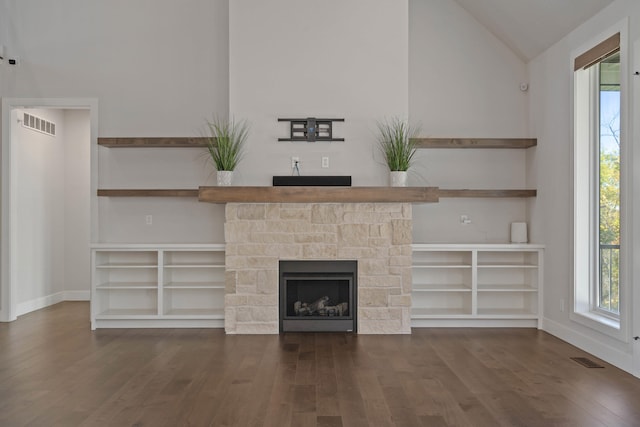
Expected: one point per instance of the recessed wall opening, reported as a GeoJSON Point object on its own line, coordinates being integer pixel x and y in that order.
{"type": "Point", "coordinates": [46, 199]}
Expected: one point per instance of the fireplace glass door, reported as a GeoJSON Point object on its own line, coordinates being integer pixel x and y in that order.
{"type": "Point", "coordinates": [317, 296]}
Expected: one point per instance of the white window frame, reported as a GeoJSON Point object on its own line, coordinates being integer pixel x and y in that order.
{"type": "Point", "coordinates": [585, 166]}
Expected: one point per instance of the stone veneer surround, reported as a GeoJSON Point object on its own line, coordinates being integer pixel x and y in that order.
{"type": "Point", "coordinates": [377, 235]}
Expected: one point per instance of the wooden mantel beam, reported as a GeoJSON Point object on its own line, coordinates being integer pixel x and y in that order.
{"type": "Point", "coordinates": [318, 194]}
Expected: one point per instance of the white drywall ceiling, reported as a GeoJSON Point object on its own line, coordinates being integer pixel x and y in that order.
{"type": "Point", "coordinates": [529, 27]}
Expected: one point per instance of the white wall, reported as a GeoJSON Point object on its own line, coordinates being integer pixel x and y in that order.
{"type": "Point", "coordinates": [465, 83]}
{"type": "Point", "coordinates": [51, 176]}
{"type": "Point", "coordinates": [550, 170]}
{"type": "Point", "coordinates": [77, 176]}
{"type": "Point", "coordinates": [337, 59]}
{"type": "Point", "coordinates": [39, 176]}
{"type": "Point", "coordinates": [158, 68]}
{"type": "Point", "coordinates": [184, 220]}
{"type": "Point", "coordinates": [4, 35]}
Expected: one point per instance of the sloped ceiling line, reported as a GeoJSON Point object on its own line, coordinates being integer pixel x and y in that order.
{"type": "Point", "coordinates": [529, 27]}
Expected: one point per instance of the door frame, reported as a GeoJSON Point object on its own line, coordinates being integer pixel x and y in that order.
{"type": "Point", "coordinates": [8, 208]}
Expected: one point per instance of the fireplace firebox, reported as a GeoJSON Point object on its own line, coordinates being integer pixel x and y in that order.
{"type": "Point", "coordinates": [318, 296]}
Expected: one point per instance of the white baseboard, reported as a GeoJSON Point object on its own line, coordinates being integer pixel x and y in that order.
{"type": "Point", "coordinates": [474, 323]}
{"type": "Point", "coordinates": [616, 357]}
{"type": "Point", "coordinates": [77, 295]}
{"type": "Point", "coordinates": [46, 301]}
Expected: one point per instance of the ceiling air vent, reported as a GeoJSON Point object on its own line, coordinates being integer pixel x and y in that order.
{"type": "Point", "coordinates": [39, 124]}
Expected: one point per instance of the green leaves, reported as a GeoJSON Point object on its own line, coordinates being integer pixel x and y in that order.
{"type": "Point", "coordinates": [609, 198]}
{"type": "Point", "coordinates": [395, 137]}
{"type": "Point", "coordinates": [226, 142]}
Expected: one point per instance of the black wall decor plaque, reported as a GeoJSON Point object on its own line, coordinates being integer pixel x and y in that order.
{"type": "Point", "coordinates": [311, 129]}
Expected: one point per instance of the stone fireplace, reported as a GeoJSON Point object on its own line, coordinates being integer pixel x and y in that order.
{"type": "Point", "coordinates": [376, 235]}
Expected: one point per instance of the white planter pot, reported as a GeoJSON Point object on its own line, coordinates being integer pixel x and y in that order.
{"type": "Point", "coordinates": [224, 178]}
{"type": "Point", "coordinates": [398, 178]}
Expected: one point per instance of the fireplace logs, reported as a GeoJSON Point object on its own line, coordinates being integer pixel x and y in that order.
{"type": "Point", "coordinates": [321, 307]}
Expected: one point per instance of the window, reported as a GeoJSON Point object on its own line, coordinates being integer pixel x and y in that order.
{"type": "Point", "coordinates": [598, 150]}
{"type": "Point", "coordinates": [608, 290]}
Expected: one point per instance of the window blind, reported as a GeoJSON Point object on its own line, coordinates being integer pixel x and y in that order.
{"type": "Point", "coordinates": [598, 53]}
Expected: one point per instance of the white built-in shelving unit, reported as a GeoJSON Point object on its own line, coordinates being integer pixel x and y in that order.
{"type": "Point", "coordinates": [477, 285]}
{"type": "Point", "coordinates": [182, 285]}
{"type": "Point", "coordinates": [171, 285]}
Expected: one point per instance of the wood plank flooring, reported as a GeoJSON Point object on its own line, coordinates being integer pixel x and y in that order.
{"type": "Point", "coordinates": [54, 371]}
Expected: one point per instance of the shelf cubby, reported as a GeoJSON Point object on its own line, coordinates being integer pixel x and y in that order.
{"type": "Point", "coordinates": [137, 285]}
{"type": "Point", "coordinates": [467, 283]}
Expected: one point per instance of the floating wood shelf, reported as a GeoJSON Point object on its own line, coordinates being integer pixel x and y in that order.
{"type": "Point", "coordinates": [475, 142]}
{"type": "Point", "coordinates": [178, 142]}
{"type": "Point", "coordinates": [486, 193]}
{"type": "Point", "coordinates": [318, 194]}
{"type": "Point", "coordinates": [163, 142]}
{"type": "Point", "coordinates": [148, 193]}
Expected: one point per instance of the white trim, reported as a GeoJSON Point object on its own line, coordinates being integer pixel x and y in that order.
{"type": "Point", "coordinates": [46, 301]}
{"type": "Point", "coordinates": [601, 350]}
{"type": "Point", "coordinates": [38, 303]}
{"type": "Point", "coordinates": [161, 323]}
{"type": "Point", "coordinates": [475, 323]}
{"type": "Point", "coordinates": [480, 246]}
{"type": "Point", "coordinates": [8, 306]}
{"type": "Point", "coordinates": [602, 324]}
{"type": "Point", "coordinates": [634, 247]}
{"type": "Point", "coordinates": [158, 246]}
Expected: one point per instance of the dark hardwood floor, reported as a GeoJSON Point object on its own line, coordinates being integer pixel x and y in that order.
{"type": "Point", "coordinates": [54, 371]}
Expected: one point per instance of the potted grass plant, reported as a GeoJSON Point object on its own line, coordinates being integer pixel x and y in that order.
{"type": "Point", "coordinates": [225, 143]}
{"type": "Point", "coordinates": [395, 137]}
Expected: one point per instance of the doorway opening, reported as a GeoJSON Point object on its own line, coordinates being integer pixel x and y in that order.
{"type": "Point", "coordinates": [46, 202]}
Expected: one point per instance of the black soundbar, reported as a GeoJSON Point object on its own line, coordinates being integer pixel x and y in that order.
{"type": "Point", "coordinates": [313, 181]}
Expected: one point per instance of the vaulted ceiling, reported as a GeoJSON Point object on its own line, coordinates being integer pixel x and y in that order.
{"type": "Point", "coordinates": [528, 27]}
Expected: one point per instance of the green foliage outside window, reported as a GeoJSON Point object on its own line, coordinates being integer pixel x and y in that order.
{"type": "Point", "coordinates": [609, 188]}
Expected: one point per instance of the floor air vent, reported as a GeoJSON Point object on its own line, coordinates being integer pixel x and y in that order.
{"type": "Point", "coordinates": [587, 363]}
{"type": "Point", "coordinates": [39, 124]}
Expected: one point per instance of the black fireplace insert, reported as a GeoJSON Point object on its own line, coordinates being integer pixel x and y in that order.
{"type": "Point", "coordinates": [318, 296]}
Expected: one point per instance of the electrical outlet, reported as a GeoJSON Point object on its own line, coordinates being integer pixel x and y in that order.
{"type": "Point", "coordinates": [295, 160]}
{"type": "Point", "coordinates": [325, 162]}
{"type": "Point", "coordinates": [148, 219]}
{"type": "Point", "coordinates": [464, 219]}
